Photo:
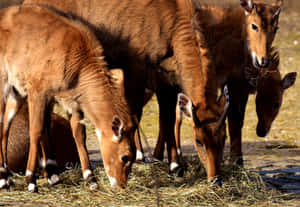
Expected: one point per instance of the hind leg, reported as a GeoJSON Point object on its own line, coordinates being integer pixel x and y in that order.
{"type": "Point", "coordinates": [13, 104]}
{"type": "Point", "coordinates": [48, 156]}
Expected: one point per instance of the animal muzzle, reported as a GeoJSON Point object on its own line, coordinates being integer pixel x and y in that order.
{"type": "Point", "coordinates": [263, 62]}
{"type": "Point", "coordinates": [261, 131]}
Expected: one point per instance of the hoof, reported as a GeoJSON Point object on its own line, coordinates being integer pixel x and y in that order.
{"type": "Point", "coordinates": [93, 186]}
{"type": "Point", "coordinates": [216, 181]}
{"type": "Point", "coordinates": [54, 179]}
{"type": "Point", "coordinates": [240, 161]}
{"type": "Point", "coordinates": [32, 188]}
{"type": "Point", "coordinates": [4, 184]}
{"type": "Point", "coordinates": [176, 169]}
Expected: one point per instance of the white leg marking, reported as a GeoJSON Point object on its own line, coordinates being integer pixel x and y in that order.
{"type": "Point", "coordinates": [87, 173]}
{"type": "Point", "coordinates": [43, 163]}
{"type": "Point", "coordinates": [31, 187]}
{"type": "Point", "coordinates": [173, 165]}
{"type": "Point", "coordinates": [178, 151]}
{"type": "Point", "coordinates": [53, 179]}
{"type": "Point", "coordinates": [3, 183]}
{"type": "Point", "coordinates": [98, 133]}
{"type": "Point", "coordinates": [139, 155]}
{"type": "Point", "coordinates": [28, 173]}
{"type": "Point", "coordinates": [3, 170]}
{"type": "Point", "coordinates": [51, 162]}
{"type": "Point", "coordinates": [113, 181]}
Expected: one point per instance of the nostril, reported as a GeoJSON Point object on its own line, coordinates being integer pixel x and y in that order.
{"type": "Point", "coordinates": [125, 158]}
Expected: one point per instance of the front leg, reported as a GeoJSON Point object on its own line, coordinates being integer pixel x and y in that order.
{"type": "Point", "coordinates": [167, 98]}
{"type": "Point", "coordinates": [79, 135]}
{"type": "Point", "coordinates": [236, 112]}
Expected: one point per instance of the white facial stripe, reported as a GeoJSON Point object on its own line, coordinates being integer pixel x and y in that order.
{"type": "Point", "coordinates": [87, 173]}
{"type": "Point", "coordinates": [113, 181]}
{"type": "Point", "coordinates": [28, 173]}
{"type": "Point", "coordinates": [139, 155]}
{"type": "Point", "coordinates": [98, 133]}
{"type": "Point", "coordinates": [10, 116]}
{"type": "Point", "coordinates": [253, 55]}
{"type": "Point", "coordinates": [173, 165]}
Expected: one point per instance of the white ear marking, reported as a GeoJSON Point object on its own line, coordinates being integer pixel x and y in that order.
{"type": "Point", "coordinates": [185, 105]}
{"type": "Point", "coordinates": [117, 126]}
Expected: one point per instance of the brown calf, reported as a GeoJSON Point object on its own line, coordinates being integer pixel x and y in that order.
{"type": "Point", "coordinates": [48, 59]}
{"type": "Point", "coordinates": [18, 141]}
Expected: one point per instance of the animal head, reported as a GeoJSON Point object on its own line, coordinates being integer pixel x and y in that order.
{"type": "Point", "coordinates": [116, 141]}
{"type": "Point", "coordinates": [261, 25]}
{"type": "Point", "coordinates": [209, 132]}
{"type": "Point", "coordinates": [270, 88]}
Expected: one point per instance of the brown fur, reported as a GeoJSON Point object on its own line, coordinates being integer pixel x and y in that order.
{"type": "Point", "coordinates": [144, 42]}
{"type": "Point", "coordinates": [226, 32]}
{"type": "Point", "coordinates": [59, 59]}
{"type": "Point", "coordinates": [18, 142]}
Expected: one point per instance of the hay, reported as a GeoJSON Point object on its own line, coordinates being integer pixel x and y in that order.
{"type": "Point", "coordinates": [240, 188]}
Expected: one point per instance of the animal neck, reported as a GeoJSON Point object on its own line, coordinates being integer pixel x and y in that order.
{"type": "Point", "coordinates": [193, 58]}
{"type": "Point", "coordinates": [101, 98]}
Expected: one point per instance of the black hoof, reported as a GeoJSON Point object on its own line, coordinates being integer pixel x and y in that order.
{"type": "Point", "coordinates": [217, 181]}
{"type": "Point", "coordinates": [178, 171]}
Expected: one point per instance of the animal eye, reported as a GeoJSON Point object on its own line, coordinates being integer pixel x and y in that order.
{"type": "Point", "coordinates": [254, 27]}
{"type": "Point", "coordinates": [125, 159]}
{"type": "Point", "coordinates": [198, 141]}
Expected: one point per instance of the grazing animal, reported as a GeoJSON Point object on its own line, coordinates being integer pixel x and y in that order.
{"type": "Point", "coordinates": [50, 59]}
{"type": "Point", "coordinates": [237, 38]}
{"type": "Point", "coordinates": [269, 87]}
{"type": "Point", "coordinates": [151, 45]}
{"type": "Point", "coordinates": [18, 141]}
{"type": "Point", "coordinates": [144, 44]}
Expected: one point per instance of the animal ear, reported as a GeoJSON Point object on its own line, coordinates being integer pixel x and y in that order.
{"type": "Point", "coordinates": [118, 75]}
{"type": "Point", "coordinates": [117, 126]}
{"type": "Point", "coordinates": [289, 80]}
{"type": "Point", "coordinates": [185, 105]}
{"type": "Point", "coordinates": [247, 5]}
{"type": "Point", "coordinates": [277, 8]}
{"type": "Point", "coordinates": [251, 76]}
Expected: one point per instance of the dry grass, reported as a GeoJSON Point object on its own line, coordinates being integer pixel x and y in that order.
{"type": "Point", "coordinates": [241, 187]}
